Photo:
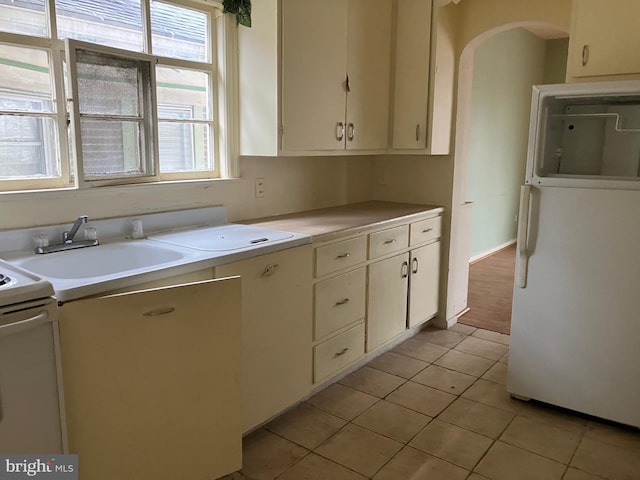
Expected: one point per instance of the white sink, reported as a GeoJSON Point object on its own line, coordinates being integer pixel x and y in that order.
{"type": "Point", "coordinates": [222, 238]}
{"type": "Point", "coordinates": [99, 261]}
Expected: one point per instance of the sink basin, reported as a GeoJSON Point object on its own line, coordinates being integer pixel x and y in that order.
{"type": "Point", "coordinates": [226, 238]}
{"type": "Point", "coordinates": [107, 259]}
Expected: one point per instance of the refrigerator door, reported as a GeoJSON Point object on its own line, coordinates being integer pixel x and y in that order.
{"type": "Point", "coordinates": [576, 324]}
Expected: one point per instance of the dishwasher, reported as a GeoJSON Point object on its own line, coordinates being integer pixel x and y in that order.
{"type": "Point", "coordinates": [31, 406]}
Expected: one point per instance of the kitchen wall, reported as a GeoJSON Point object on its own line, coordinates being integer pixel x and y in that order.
{"type": "Point", "coordinates": [292, 184]}
{"type": "Point", "coordinates": [506, 66]}
{"type": "Point", "coordinates": [555, 68]}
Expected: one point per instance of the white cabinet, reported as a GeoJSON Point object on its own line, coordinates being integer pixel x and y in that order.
{"type": "Point", "coordinates": [604, 38]}
{"type": "Point", "coordinates": [152, 381]}
{"type": "Point", "coordinates": [314, 38]}
{"type": "Point", "coordinates": [336, 58]}
{"type": "Point", "coordinates": [424, 283]}
{"type": "Point", "coordinates": [412, 55]}
{"type": "Point", "coordinates": [387, 306]}
{"type": "Point", "coordinates": [276, 331]}
{"type": "Point", "coordinates": [423, 79]}
{"type": "Point", "coordinates": [315, 77]}
{"type": "Point", "coordinates": [402, 290]}
{"type": "Point", "coordinates": [401, 264]}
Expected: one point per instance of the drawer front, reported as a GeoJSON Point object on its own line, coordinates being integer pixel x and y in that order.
{"type": "Point", "coordinates": [339, 255]}
{"type": "Point", "coordinates": [339, 302]}
{"type": "Point", "coordinates": [425, 230]}
{"type": "Point", "coordinates": [388, 241]}
{"type": "Point", "coordinates": [338, 352]}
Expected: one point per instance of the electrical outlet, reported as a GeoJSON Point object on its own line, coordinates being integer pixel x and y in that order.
{"type": "Point", "coordinates": [259, 187]}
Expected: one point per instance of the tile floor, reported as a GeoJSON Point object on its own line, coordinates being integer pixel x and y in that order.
{"type": "Point", "coordinates": [436, 407]}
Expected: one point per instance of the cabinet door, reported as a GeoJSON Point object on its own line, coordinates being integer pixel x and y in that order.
{"type": "Point", "coordinates": [605, 37]}
{"type": "Point", "coordinates": [276, 331]}
{"type": "Point", "coordinates": [423, 283]}
{"type": "Point", "coordinates": [413, 41]}
{"type": "Point", "coordinates": [368, 70]}
{"type": "Point", "coordinates": [152, 382]}
{"type": "Point", "coordinates": [387, 302]}
{"type": "Point", "coordinates": [314, 59]}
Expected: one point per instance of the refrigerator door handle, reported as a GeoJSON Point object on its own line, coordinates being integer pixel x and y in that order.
{"type": "Point", "coordinates": [523, 229]}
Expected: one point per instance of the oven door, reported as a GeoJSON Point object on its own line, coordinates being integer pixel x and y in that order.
{"type": "Point", "coordinates": [30, 414]}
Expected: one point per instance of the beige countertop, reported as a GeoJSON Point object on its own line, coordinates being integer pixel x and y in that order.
{"type": "Point", "coordinates": [324, 223]}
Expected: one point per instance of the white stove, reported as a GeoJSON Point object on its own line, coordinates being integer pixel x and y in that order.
{"type": "Point", "coordinates": [17, 285]}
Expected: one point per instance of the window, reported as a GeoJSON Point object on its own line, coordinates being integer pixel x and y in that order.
{"type": "Point", "coordinates": [106, 92]}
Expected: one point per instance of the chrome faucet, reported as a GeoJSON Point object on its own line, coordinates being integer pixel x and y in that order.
{"type": "Point", "coordinates": [68, 242]}
{"type": "Point", "coordinates": [68, 236]}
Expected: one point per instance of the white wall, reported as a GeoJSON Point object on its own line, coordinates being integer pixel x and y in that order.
{"type": "Point", "coordinates": [292, 184]}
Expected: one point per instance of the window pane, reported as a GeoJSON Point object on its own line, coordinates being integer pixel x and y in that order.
{"type": "Point", "coordinates": [27, 17]}
{"type": "Point", "coordinates": [179, 32]}
{"type": "Point", "coordinates": [184, 147]}
{"type": "Point", "coordinates": [108, 89]}
{"type": "Point", "coordinates": [28, 147]}
{"type": "Point", "coordinates": [111, 149]}
{"type": "Point", "coordinates": [116, 23]}
{"type": "Point", "coordinates": [184, 93]}
{"type": "Point", "coordinates": [25, 82]}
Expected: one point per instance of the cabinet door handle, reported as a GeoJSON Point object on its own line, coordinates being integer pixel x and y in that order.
{"type": "Point", "coordinates": [585, 55]}
{"type": "Point", "coordinates": [389, 242]}
{"type": "Point", "coordinates": [344, 255]}
{"type": "Point", "coordinates": [341, 352]}
{"type": "Point", "coordinates": [427, 230]}
{"type": "Point", "coordinates": [347, 86]}
{"type": "Point", "coordinates": [417, 132]}
{"type": "Point", "coordinates": [351, 132]}
{"type": "Point", "coordinates": [159, 311]}
{"type": "Point", "coordinates": [342, 302]}
{"type": "Point", "coordinates": [339, 131]}
{"type": "Point", "coordinates": [404, 271]}
{"type": "Point", "coordinates": [269, 270]}
{"type": "Point", "coordinates": [414, 263]}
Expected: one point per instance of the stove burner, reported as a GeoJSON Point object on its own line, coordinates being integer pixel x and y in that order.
{"type": "Point", "coordinates": [4, 280]}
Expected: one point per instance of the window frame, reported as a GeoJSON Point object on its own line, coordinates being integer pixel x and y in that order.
{"type": "Point", "coordinates": [148, 107]}
{"type": "Point", "coordinates": [223, 118]}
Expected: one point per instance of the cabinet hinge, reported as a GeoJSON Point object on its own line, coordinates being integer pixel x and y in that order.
{"type": "Point", "coordinates": [281, 130]}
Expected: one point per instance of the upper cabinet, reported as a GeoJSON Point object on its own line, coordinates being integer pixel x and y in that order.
{"type": "Point", "coordinates": [336, 58]}
{"type": "Point", "coordinates": [604, 38]}
{"type": "Point", "coordinates": [411, 91]}
{"type": "Point", "coordinates": [342, 77]}
{"type": "Point", "coordinates": [423, 75]}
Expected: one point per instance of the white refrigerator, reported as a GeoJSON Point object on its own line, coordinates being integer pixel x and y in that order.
{"type": "Point", "coordinates": [575, 331]}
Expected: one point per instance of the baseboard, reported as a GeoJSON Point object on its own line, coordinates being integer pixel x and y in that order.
{"type": "Point", "coordinates": [488, 253]}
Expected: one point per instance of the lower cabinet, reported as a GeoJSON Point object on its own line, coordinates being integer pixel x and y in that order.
{"type": "Point", "coordinates": [387, 300]}
{"type": "Point", "coordinates": [276, 331]}
{"type": "Point", "coordinates": [370, 288]}
{"type": "Point", "coordinates": [338, 352]}
{"type": "Point", "coordinates": [152, 382]}
{"type": "Point", "coordinates": [424, 283]}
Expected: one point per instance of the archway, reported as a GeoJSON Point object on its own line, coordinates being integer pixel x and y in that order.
{"type": "Point", "coordinates": [461, 211]}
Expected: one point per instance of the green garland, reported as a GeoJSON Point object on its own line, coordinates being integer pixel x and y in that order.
{"type": "Point", "coordinates": [241, 8]}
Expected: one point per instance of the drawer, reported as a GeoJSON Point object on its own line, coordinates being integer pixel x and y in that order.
{"type": "Point", "coordinates": [388, 241]}
{"type": "Point", "coordinates": [339, 255]}
{"type": "Point", "coordinates": [425, 230]}
{"type": "Point", "coordinates": [338, 352]}
{"type": "Point", "coordinates": [339, 302]}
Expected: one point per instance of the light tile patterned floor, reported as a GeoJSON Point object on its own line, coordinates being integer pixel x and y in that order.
{"type": "Point", "coordinates": [436, 407]}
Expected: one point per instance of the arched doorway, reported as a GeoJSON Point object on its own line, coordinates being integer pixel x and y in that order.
{"type": "Point", "coordinates": [471, 142]}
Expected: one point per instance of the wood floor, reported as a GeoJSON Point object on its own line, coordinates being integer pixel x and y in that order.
{"type": "Point", "coordinates": [491, 291]}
